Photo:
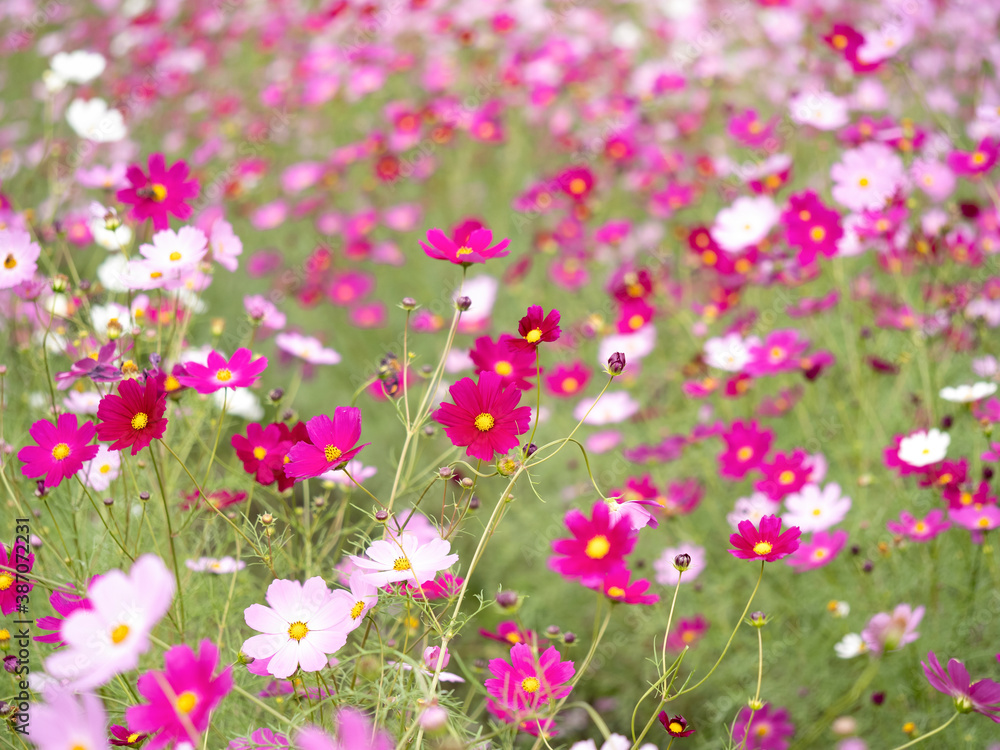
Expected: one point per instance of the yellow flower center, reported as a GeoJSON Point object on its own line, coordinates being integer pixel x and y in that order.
{"type": "Point", "coordinates": [139, 421]}
{"type": "Point", "coordinates": [819, 554]}
{"type": "Point", "coordinates": [259, 452]}
{"type": "Point", "coordinates": [533, 335]}
{"type": "Point", "coordinates": [710, 257]}
{"type": "Point", "coordinates": [485, 422]}
{"type": "Point", "coordinates": [920, 527]}
{"type": "Point", "coordinates": [60, 451]}
{"type": "Point", "coordinates": [224, 375]}
{"type": "Point", "coordinates": [6, 579]}
{"type": "Point", "coordinates": [839, 41]}
{"type": "Point", "coordinates": [786, 477]}
{"type": "Point", "coordinates": [688, 636]}
{"type": "Point", "coordinates": [598, 547]}
{"type": "Point", "coordinates": [159, 192]}
{"type": "Point", "coordinates": [464, 250]}
{"type": "Point", "coordinates": [754, 127]}
{"type": "Point", "coordinates": [186, 702]}
{"type": "Point", "coordinates": [817, 234]}
{"type": "Point", "coordinates": [577, 185]}
{"type": "Point", "coordinates": [175, 256]}
{"type": "Point", "coordinates": [863, 182]}
{"type": "Point", "coordinates": [357, 609]}
{"type": "Point", "coordinates": [4, 635]}
{"type": "Point", "coordinates": [171, 383]}
{"type": "Point", "coordinates": [10, 262]}
{"type": "Point", "coordinates": [777, 352]}
{"type": "Point", "coordinates": [513, 638]}
{"type": "Point", "coordinates": [984, 522]}
{"type": "Point", "coordinates": [105, 469]}
{"type": "Point", "coordinates": [401, 563]}
{"type": "Point", "coordinates": [530, 684]}
{"type": "Point", "coordinates": [132, 737]}
{"type": "Point", "coordinates": [978, 158]}
{"type": "Point", "coordinates": [332, 453]}
{"type": "Point", "coordinates": [298, 630]}
{"type": "Point", "coordinates": [762, 548]}
{"type": "Point", "coordinates": [636, 322]}
{"type": "Point", "coordinates": [616, 592]}
{"type": "Point", "coordinates": [744, 454]}
{"type": "Point", "coordinates": [503, 368]}
{"type": "Point", "coordinates": [675, 727]}
{"type": "Point", "coordinates": [805, 215]}
{"type": "Point", "coordinates": [119, 634]}
{"type": "Point", "coordinates": [570, 385]}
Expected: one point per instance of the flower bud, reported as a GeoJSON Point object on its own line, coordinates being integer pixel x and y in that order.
{"type": "Point", "coordinates": [947, 421]}
{"type": "Point", "coordinates": [276, 395]}
{"type": "Point", "coordinates": [467, 483]}
{"type": "Point", "coordinates": [60, 283]}
{"type": "Point", "coordinates": [552, 631]}
{"type": "Point", "coordinates": [428, 431]}
{"type": "Point", "coordinates": [756, 704]}
{"type": "Point", "coordinates": [144, 496]}
{"type": "Point", "coordinates": [530, 450]}
{"type": "Point", "coordinates": [616, 363]}
{"type": "Point", "coordinates": [507, 466]}
{"type": "Point", "coordinates": [218, 326]}
{"type": "Point", "coordinates": [844, 726]}
{"type": "Point", "coordinates": [433, 719]}
{"type": "Point", "coordinates": [474, 503]}
{"type": "Point", "coordinates": [408, 304]}
{"type": "Point", "coordinates": [569, 637]}
{"type": "Point", "coordinates": [243, 659]}
{"type": "Point", "coordinates": [682, 561]}
{"type": "Point", "coordinates": [757, 619]}
{"type": "Point", "coordinates": [10, 663]}
{"type": "Point", "coordinates": [462, 304]}
{"type": "Point", "coordinates": [267, 519]}
{"type": "Point", "coordinates": [446, 472]}
{"type": "Point", "coordinates": [431, 656]}
{"type": "Point", "coordinates": [381, 516]}
{"type": "Point", "coordinates": [507, 599]}
{"type": "Point", "coordinates": [109, 501]}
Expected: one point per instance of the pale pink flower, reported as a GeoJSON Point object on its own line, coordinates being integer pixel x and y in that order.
{"type": "Point", "coordinates": [886, 632]}
{"type": "Point", "coordinates": [405, 559]}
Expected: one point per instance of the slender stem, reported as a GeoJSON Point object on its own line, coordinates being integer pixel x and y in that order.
{"type": "Point", "coordinates": [173, 548]}
{"type": "Point", "coordinates": [670, 619]}
{"type": "Point", "coordinates": [538, 398]}
{"type": "Point", "coordinates": [101, 515]}
{"type": "Point", "coordinates": [218, 433]}
{"type": "Point", "coordinates": [307, 526]}
{"type": "Point", "coordinates": [923, 737]}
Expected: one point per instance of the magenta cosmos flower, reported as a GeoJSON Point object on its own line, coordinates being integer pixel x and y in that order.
{"type": "Point", "coordinates": [181, 697]}
{"type": "Point", "coordinates": [768, 730]}
{"type": "Point", "coordinates": [598, 546]}
{"type": "Point", "coordinates": [968, 164]}
{"type": "Point", "coordinates": [485, 417]}
{"type": "Point", "coordinates": [619, 587]}
{"type": "Point", "coordinates": [476, 249]}
{"type": "Point", "coordinates": [530, 680]}
{"type": "Point", "coordinates": [160, 193]}
{"type": "Point", "coordinates": [354, 732]}
{"type": "Point", "coordinates": [765, 543]}
{"type": "Point", "coordinates": [332, 443]}
{"type": "Point", "coordinates": [811, 227]}
{"type": "Point", "coordinates": [302, 625]}
{"type": "Point", "coordinates": [239, 371]}
{"type": "Point", "coordinates": [134, 417]}
{"type": "Point", "coordinates": [821, 550]}
{"type": "Point", "coordinates": [536, 327]}
{"type": "Point", "coordinates": [61, 451]}
{"type": "Point", "coordinates": [919, 530]}
{"type": "Point", "coordinates": [19, 555]}
{"type": "Point", "coordinates": [747, 446]}
{"type": "Point", "coordinates": [982, 696]}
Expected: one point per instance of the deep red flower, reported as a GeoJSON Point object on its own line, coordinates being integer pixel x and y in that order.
{"type": "Point", "coordinates": [485, 418]}
{"type": "Point", "coordinates": [766, 543]}
{"type": "Point", "coordinates": [676, 726]}
{"type": "Point", "coordinates": [536, 327]}
{"type": "Point", "coordinates": [132, 418]}
{"type": "Point", "coordinates": [164, 191]}
{"type": "Point", "coordinates": [262, 451]}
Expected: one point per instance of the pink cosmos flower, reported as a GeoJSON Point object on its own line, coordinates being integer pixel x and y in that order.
{"type": "Point", "coordinates": [475, 249]}
{"type": "Point", "coordinates": [766, 542]}
{"type": "Point", "coordinates": [64, 604]}
{"type": "Point", "coordinates": [19, 257]}
{"type": "Point", "coordinates": [62, 449]}
{"type": "Point", "coordinates": [976, 517]}
{"type": "Point", "coordinates": [101, 369]}
{"type": "Point", "coordinates": [780, 352]}
{"type": "Point", "coordinates": [886, 632]}
{"type": "Point", "coordinates": [746, 448]}
{"type": "Point", "coordinates": [160, 193]}
{"type": "Point", "coordinates": [64, 718]}
{"type": "Point", "coordinates": [618, 586]}
{"type": "Point", "coordinates": [821, 550]}
{"type": "Point", "coordinates": [982, 696]}
{"type": "Point", "coordinates": [980, 161]}
{"type": "Point", "coordinates": [360, 596]}
{"type": "Point", "coordinates": [404, 559]}
{"type": "Point", "coordinates": [108, 638]}
{"type": "Point", "coordinates": [633, 512]}
{"type": "Point", "coordinates": [922, 530]}
{"type": "Point", "coordinates": [519, 688]}
{"type": "Point", "coordinates": [811, 227]}
{"type": "Point", "coordinates": [302, 625]}
{"type": "Point", "coordinates": [485, 418]}
{"type": "Point", "coordinates": [19, 556]}
{"type": "Point", "coordinates": [748, 130]}
{"type": "Point", "coordinates": [536, 327]}
{"type": "Point", "coordinates": [354, 732]}
{"type": "Point", "coordinates": [565, 380]}
{"type": "Point", "coordinates": [332, 443]}
{"type": "Point", "coordinates": [686, 633]}
{"type": "Point", "coordinates": [785, 474]}
{"type": "Point", "coordinates": [239, 371]}
{"type": "Point", "coordinates": [597, 548]}
{"type": "Point", "coordinates": [226, 247]}
{"type": "Point", "coordinates": [182, 697]}
{"type": "Point", "coordinates": [307, 348]}
{"type": "Point", "coordinates": [769, 729]}
{"type": "Point", "coordinates": [815, 509]}
{"type": "Point", "coordinates": [263, 311]}
{"type": "Point", "coordinates": [500, 357]}
{"type": "Point", "coordinates": [867, 177]}
{"type": "Point", "coordinates": [510, 633]}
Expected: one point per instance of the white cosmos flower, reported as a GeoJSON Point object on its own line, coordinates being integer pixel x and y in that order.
{"type": "Point", "coordinates": [613, 408]}
{"type": "Point", "coordinates": [813, 509]}
{"type": "Point", "coordinates": [752, 508]}
{"type": "Point", "coordinates": [850, 645]}
{"type": "Point", "coordinates": [306, 347]}
{"type": "Point", "coordinates": [923, 448]}
{"type": "Point", "coordinates": [965, 394]}
{"type": "Point", "coordinates": [95, 121]}
{"type": "Point", "coordinates": [99, 472]}
{"type": "Point", "coordinates": [241, 402]}
{"type": "Point", "coordinates": [635, 346]}
{"type": "Point", "coordinates": [110, 239]}
{"type": "Point", "coordinates": [821, 109]}
{"type": "Point", "coordinates": [744, 223]}
{"type": "Point", "coordinates": [885, 42]}
{"type": "Point", "coordinates": [405, 559]}
{"type": "Point", "coordinates": [729, 352]}
{"type": "Point", "coordinates": [219, 566]}
{"type": "Point", "coordinates": [78, 67]}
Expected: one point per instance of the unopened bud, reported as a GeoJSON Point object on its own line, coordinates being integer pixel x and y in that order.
{"type": "Point", "coordinates": [109, 501]}
{"type": "Point", "coordinates": [267, 519]}
{"type": "Point", "coordinates": [507, 599]}
{"type": "Point", "coordinates": [844, 726]}
{"type": "Point", "coordinates": [218, 326]}
{"type": "Point", "coordinates": [756, 704]}
{"type": "Point", "coordinates": [60, 283]}
{"type": "Point", "coordinates": [467, 483]}
{"type": "Point", "coordinates": [408, 303]}
{"type": "Point", "coordinates": [114, 329]}
{"type": "Point", "coordinates": [446, 472]}
{"type": "Point", "coordinates": [144, 496]}
{"type": "Point", "coordinates": [276, 395]}
{"type": "Point", "coordinates": [433, 719]}
{"type": "Point", "coordinates": [682, 562]}
{"type": "Point", "coordinates": [474, 503]}
{"type": "Point", "coordinates": [381, 516]}
{"type": "Point", "coordinates": [616, 363]}
{"type": "Point", "coordinates": [463, 303]}
{"type": "Point", "coordinates": [757, 619]}
{"type": "Point", "coordinates": [428, 431]}
{"type": "Point", "coordinates": [569, 637]}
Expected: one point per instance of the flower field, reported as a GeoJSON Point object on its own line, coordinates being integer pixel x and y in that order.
{"type": "Point", "coordinates": [492, 375]}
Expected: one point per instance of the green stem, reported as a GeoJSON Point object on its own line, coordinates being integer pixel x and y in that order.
{"type": "Point", "coordinates": [923, 737]}
{"type": "Point", "coordinates": [218, 433]}
{"type": "Point", "coordinates": [173, 548]}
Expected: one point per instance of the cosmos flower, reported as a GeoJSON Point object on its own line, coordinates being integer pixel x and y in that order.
{"type": "Point", "coordinates": [982, 696]}
{"type": "Point", "coordinates": [475, 249]}
{"type": "Point", "coordinates": [527, 682]}
{"type": "Point", "coordinates": [966, 394]}
{"type": "Point", "coordinates": [919, 530]}
{"type": "Point", "coordinates": [20, 257]}
{"type": "Point", "coordinates": [598, 546]}
{"type": "Point", "coordinates": [134, 417]}
{"type": "Point", "coordinates": [536, 327]}
{"type": "Point", "coordinates": [667, 574]}
{"type": "Point", "coordinates": [618, 586]}
{"type": "Point", "coordinates": [813, 509]}
{"type": "Point", "coordinates": [890, 632]}
{"type": "Point", "coordinates": [95, 121]}
{"type": "Point", "coordinates": [565, 380]}
{"type": "Point", "coordinates": [686, 633]}
{"type": "Point", "coordinates": [307, 348]}
{"type": "Point", "coordinates": [102, 469]}
{"type": "Point", "coordinates": [332, 443]}
{"type": "Point", "coordinates": [354, 732]}
{"type": "Point", "coordinates": [745, 223]}
{"type": "Point", "coordinates": [516, 366]}
{"type": "Point", "coordinates": [768, 729]}
{"type": "Point", "coordinates": [160, 193]}
{"type": "Point", "coordinates": [404, 559]}
{"type": "Point", "coordinates": [747, 446]}
{"type": "Point", "coordinates": [785, 474]}
{"type": "Point", "coordinates": [676, 726]}
{"type": "Point", "coordinates": [980, 161]}
{"type": "Point", "coordinates": [299, 628]}
{"type": "Point", "coordinates": [239, 371]}
{"type": "Point", "coordinates": [63, 717]}
{"type": "Point", "coordinates": [819, 551]}
{"type": "Point", "coordinates": [766, 542]}
{"type": "Point", "coordinates": [62, 449]}
{"type": "Point", "coordinates": [923, 448]}
{"type": "Point", "coordinates": [485, 418]}
{"type": "Point", "coordinates": [181, 698]}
